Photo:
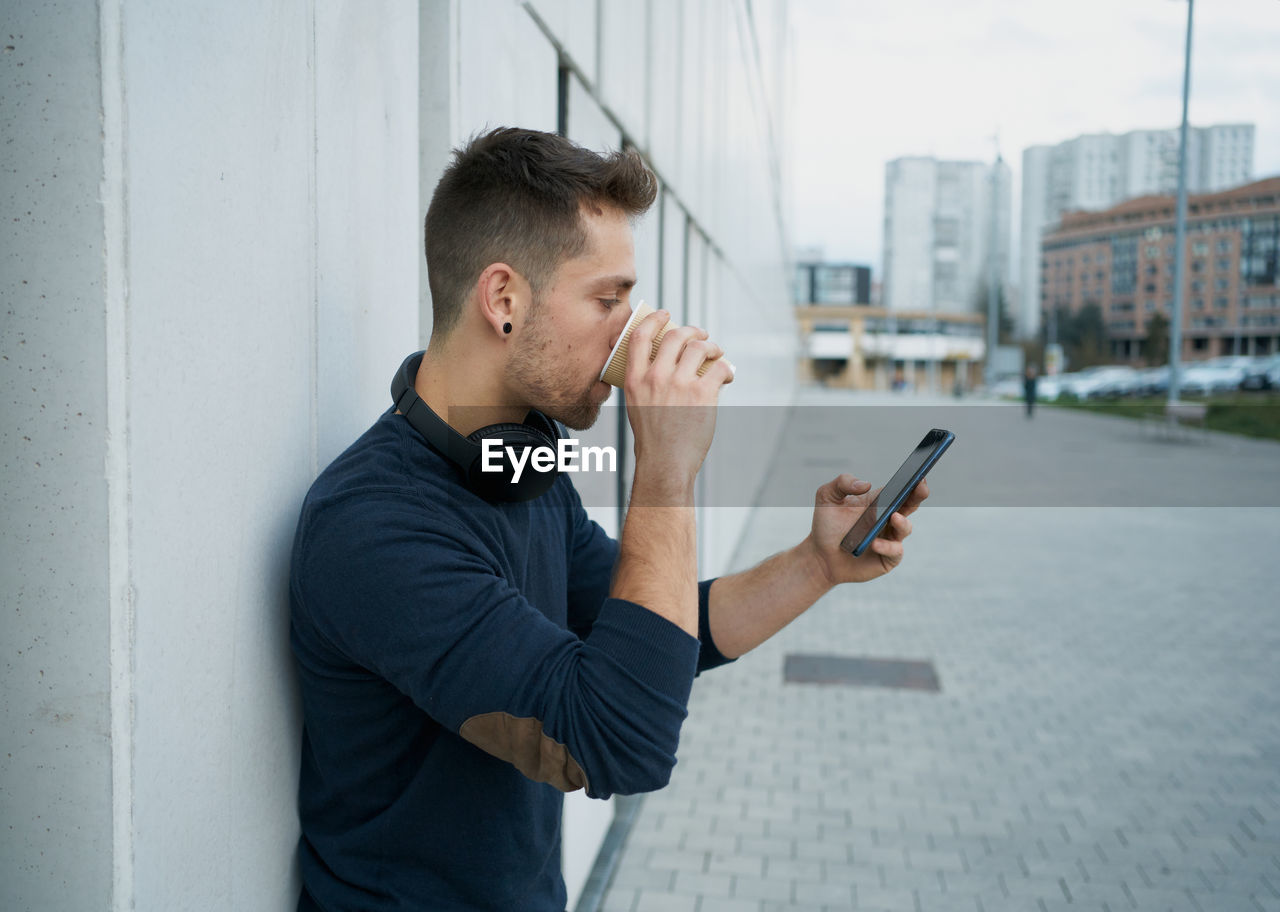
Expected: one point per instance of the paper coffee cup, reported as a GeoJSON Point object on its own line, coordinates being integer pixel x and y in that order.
{"type": "Point", "coordinates": [615, 369]}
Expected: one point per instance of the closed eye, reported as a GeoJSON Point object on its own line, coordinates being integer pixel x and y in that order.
{"type": "Point", "coordinates": [609, 302]}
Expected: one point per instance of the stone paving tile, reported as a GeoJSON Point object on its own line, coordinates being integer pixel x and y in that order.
{"type": "Point", "coordinates": [702, 884]}
{"type": "Point", "coordinates": [1107, 735]}
{"type": "Point", "coordinates": [749, 865]}
{"type": "Point", "coordinates": [648, 901]}
{"type": "Point", "coordinates": [760, 888]}
{"type": "Point", "coordinates": [618, 900]}
{"type": "Point", "coordinates": [721, 904]}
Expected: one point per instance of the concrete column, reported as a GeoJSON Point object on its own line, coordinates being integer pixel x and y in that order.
{"type": "Point", "coordinates": [62, 518]}
{"type": "Point", "coordinates": [210, 277]}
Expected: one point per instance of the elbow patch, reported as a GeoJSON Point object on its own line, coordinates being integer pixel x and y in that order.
{"type": "Point", "coordinates": [522, 743]}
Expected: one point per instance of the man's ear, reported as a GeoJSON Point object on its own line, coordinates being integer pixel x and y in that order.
{"type": "Point", "coordinates": [504, 297]}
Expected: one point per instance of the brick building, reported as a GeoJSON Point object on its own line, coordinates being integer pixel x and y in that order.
{"type": "Point", "coordinates": [1122, 260]}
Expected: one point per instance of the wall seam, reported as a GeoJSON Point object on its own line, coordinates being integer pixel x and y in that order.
{"type": "Point", "coordinates": [627, 136]}
{"type": "Point", "coordinates": [114, 199]}
{"type": "Point", "coordinates": [314, 271]}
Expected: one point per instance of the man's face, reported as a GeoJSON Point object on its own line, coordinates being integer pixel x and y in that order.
{"type": "Point", "coordinates": [567, 338]}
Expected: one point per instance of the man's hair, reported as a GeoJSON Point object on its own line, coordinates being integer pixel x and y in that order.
{"type": "Point", "coordinates": [514, 196]}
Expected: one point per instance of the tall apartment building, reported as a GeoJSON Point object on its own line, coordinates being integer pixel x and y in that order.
{"type": "Point", "coordinates": [1097, 171]}
{"type": "Point", "coordinates": [937, 233]}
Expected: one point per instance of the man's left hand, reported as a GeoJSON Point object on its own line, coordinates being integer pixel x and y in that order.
{"type": "Point", "coordinates": [837, 504]}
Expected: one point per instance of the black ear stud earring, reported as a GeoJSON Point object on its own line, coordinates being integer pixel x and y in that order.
{"type": "Point", "coordinates": [506, 328]}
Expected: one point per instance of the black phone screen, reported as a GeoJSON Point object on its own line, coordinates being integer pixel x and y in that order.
{"type": "Point", "coordinates": [894, 494]}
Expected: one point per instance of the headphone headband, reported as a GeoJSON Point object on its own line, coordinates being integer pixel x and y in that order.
{"type": "Point", "coordinates": [467, 452]}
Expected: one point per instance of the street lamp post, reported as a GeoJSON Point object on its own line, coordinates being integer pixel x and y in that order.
{"type": "Point", "coordinates": [993, 279]}
{"type": "Point", "coordinates": [1180, 232]}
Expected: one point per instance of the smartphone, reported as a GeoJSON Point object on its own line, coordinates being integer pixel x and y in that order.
{"type": "Point", "coordinates": [893, 495]}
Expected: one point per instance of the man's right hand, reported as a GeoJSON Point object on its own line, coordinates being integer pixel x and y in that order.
{"type": "Point", "coordinates": [673, 416]}
{"type": "Point", "coordinates": [672, 410]}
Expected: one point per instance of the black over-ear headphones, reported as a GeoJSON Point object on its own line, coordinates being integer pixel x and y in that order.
{"type": "Point", "coordinates": [467, 452]}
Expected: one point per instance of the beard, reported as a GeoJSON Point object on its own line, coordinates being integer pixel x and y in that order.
{"type": "Point", "coordinates": [547, 382]}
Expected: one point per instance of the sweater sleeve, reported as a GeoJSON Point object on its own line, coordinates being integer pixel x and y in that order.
{"type": "Point", "coordinates": [591, 562]}
{"type": "Point", "coordinates": [421, 608]}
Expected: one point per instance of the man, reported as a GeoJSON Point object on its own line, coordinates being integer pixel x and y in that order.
{"type": "Point", "coordinates": [466, 657]}
{"type": "Point", "coordinates": [1029, 388]}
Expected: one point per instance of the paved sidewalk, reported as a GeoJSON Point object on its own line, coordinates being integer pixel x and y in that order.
{"type": "Point", "coordinates": [1106, 737]}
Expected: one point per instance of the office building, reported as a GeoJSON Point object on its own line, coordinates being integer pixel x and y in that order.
{"type": "Point", "coordinates": [848, 340]}
{"type": "Point", "coordinates": [832, 283]}
{"type": "Point", "coordinates": [938, 230]}
{"type": "Point", "coordinates": [1122, 260]}
{"type": "Point", "coordinates": [1097, 171]}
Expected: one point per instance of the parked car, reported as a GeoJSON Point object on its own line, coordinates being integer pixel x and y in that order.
{"type": "Point", "coordinates": [1257, 376]}
{"type": "Point", "coordinates": [1217, 375]}
{"type": "Point", "coordinates": [1049, 388]}
{"type": "Point", "coordinates": [1096, 382]}
{"type": "Point", "coordinates": [1153, 381]}
{"type": "Point", "coordinates": [1119, 381]}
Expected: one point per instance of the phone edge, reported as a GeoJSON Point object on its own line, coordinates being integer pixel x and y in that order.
{"type": "Point", "coordinates": [906, 492]}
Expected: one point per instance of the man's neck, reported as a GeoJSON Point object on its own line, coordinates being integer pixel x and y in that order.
{"type": "Point", "coordinates": [464, 395]}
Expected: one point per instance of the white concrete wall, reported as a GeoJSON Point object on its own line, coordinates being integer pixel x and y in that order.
{"type": "Point", "coordinates": [212, 266]}
{"type": "Point", "coordinates": [55, 630]}
{"type": "Point", "coordinates": [219, 281]}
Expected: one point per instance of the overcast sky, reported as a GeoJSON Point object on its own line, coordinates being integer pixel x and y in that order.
{"type": "Point", "coordinates": [878, 80]}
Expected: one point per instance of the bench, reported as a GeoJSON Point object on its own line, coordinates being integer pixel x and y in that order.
{"type": "Point", "coordinates": [1178, 417]}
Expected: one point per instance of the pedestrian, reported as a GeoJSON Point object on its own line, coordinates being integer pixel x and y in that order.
{"type": "Point", "coordinates": [469, 648]}
{"type": "Point", "coordinates": [1029, 389]}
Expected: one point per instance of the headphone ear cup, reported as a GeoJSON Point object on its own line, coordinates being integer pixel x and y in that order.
{"type": "Point", "coordinates": [501, 485]}
{"type": "Point", "coordinates": [467, 453]}
{"type": "Point", "coordinates": [536, 419]}
{"type": "Point", "coordinates": [513, 433]}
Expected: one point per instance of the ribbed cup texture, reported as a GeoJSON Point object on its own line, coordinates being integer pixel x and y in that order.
{"type": "Point", "coordinates": [615, 372]}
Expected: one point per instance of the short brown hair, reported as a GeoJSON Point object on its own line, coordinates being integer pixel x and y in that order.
{"type": "Point", "coordinates": [513, 196]}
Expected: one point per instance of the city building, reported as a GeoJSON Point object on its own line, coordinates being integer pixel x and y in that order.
{"type": "Point", "coordinates": [1122, 260]}
{"type": "Point", "coordinates": [213, 267]}
{"type": "Point", "coordinates": [940, 221]}
{"type": "Point", "coordinates": [1096, 171]}
{"type": "Point", "coordinates": [938, 230]}
{"type": "Point", "coordinates": [832, 283]}
{"type": "Point", "coordinates": [848, 340]}
{"type": "Point", "coordinates": [870, 348]}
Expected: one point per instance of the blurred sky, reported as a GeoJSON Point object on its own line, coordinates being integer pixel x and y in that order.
{"type": "Point", "coordinates": [883, 79]}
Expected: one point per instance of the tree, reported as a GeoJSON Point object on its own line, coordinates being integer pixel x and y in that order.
{"type": "Point", "coordinates": [1089, 337]}
{"type": "Point", "coordinates": [1082, 335]}
{"type": "Point", "coordinates": [1156, 349]}
{"type": "Point", "coordinates": [1005, 333]}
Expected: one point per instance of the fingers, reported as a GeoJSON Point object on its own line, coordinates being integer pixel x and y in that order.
{"type": "Point", "coordinates": [642, 341]}
{"type": "Point", "coordinates": [695, 353]}
{"type": "Point", "coordinates": [888, 545]}
{"type": "Point", "coordinates": [682, 352]}
{"type": "Point", "coordinates": [889, 550]}
{"type": "Point", "coordinates": [720, 370]}
{"type": "Point", "coordinates": [835, 491]}
{"type": "Point", "coordinates": [674, 344]}
{"type": "Point", "coordinates": [897, 528]}
{"type": "Point", "coordinates": [916, 498]}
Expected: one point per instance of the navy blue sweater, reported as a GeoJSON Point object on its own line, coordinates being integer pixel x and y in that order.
{"type": "Point", "coordinates": [461, 665]}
